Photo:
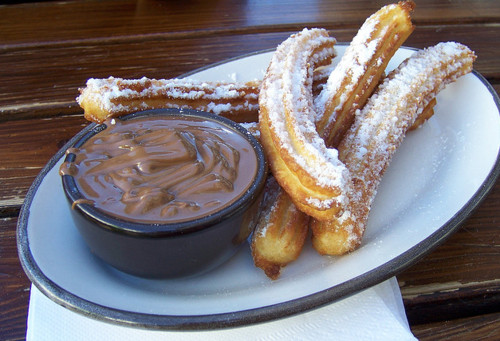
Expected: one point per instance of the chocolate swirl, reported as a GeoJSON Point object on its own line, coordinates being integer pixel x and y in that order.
{"type": "Point", "coordinates": [163, 169]}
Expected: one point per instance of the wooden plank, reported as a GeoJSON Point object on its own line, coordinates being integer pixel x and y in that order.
{"type": "Point", "coordinates": [45, 81]}
{"type": "Point", "coordinates": [469, 282]}
{"type": "Point", "coordinates": [15, 286]}
{"type": "Point", "coordinates": [40, 86]}
{"type": "Point", "coordinates": [38, 23]}
{"type": "Point", "coordinates": [482, 327]}
{"type": "Point", "coordinates": [26, 146]}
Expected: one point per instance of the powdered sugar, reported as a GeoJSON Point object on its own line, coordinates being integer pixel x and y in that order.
{"type": "Point", "coordinates": [288, 100]}
{"type": "Point", "coordinates": [253, 128]}
{"type": "Point", "coordinates": [358, 57]}
{"type": "Point", "coordinates": [117, 95]}
{"type": "Point", "coordinates": [380, 126]}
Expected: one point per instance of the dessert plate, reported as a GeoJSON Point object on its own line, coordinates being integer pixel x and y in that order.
{"type": "Point", "coordinates": [438, 176]}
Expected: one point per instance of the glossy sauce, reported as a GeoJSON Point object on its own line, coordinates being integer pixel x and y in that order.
{"type": "Point", "coordinates": [163, 169]}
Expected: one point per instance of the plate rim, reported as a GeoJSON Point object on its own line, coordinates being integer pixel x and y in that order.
{"type": "Point", "coordinates": [248, 316]}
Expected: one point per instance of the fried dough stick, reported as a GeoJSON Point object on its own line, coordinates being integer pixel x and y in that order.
{"type": "Point", "coordinates": [111, 97]}
{"type": "Point", "coordinates": [308, 171]}
{"type": "Point", "coordinates": [280, 233]}
{"type": "Point", "coordinates": [282, 228]}
{"type": "Point", "coordinates": [363, 65]}
{"type": "Point", "coordinates": [378, 131]}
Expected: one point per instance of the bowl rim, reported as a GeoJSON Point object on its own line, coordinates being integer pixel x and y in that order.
{"type": "Point", "coordinates": [145, 229]}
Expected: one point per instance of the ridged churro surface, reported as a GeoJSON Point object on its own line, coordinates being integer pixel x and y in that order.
{"type": "Point", "coordinates": [238, 101]}
{"type": "Point", "coordinates": [378, 131]}
{"type": "Point", "coordinates": [361, 68]}
{"type": "Point", "coordinates": [302, 164]}
{"type": "Point", "coordinates": [111, 97]}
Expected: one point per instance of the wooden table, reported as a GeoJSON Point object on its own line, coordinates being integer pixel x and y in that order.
{"type": "Point", "coordinates": [49, 49]}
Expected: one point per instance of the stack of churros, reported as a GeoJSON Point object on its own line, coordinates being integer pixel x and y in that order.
{"type": "Point", "coordinates": [329, 130]}
{"type": "Point", "coordinates": [348, 87]}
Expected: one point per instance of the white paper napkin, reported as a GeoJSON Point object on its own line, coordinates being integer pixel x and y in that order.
{"type": "Point", "coordinates": [374, 314]}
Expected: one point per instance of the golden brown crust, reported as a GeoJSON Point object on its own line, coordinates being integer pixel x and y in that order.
{"type": "Point", "coordinates": [361, 68]}
{"type": "Point", "coordinates": [376, 42]}
{"type": "Point", "coordinates": [112, 97]}
{"type": "Point", "coordinates": [427, 113]}
{"type": "Point", "coordinates": [280, 234]}
{"type": "Point", "coordinates": [298, 157]}
{"type": "Point", "coordinates": [380, 128]}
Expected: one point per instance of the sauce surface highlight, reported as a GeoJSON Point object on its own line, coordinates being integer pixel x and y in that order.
{"type": "Point", "coordinates": [163, 169]}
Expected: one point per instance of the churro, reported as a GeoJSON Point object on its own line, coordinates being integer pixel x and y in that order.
{"type": "Point", "coordinates": [361, 68]}
{"type": "Point", "coordinates": [311, 173]}
{"type": "Point", "coordinates": [377, 132]}
{"type": "Point", "coordinates": [308, 171]}
{"type": "Point", "coordinates": [111, 97]}
{"type": "Point", "coordinates": [280, 233]}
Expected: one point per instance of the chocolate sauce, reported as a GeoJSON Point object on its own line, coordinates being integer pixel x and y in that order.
{"type": "Point", "coordinates": [163, 169]}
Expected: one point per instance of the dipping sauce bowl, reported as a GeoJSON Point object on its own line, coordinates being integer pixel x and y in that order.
{"type": "Point", "coordinates": [165, 193]}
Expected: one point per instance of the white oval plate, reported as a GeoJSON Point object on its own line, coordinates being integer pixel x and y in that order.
{"type": "Point", "coordinates": [438, 176]}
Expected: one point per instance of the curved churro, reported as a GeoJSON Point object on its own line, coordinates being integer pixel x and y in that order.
{"type": "Point", "coordinates": [379, 129]}
{"type": "Point", "coordinates": [111, 97]}
{"type": "Point", "coordinates": [310, 173]}
{"type": "Point", "coordinates": [361, 68]}
{"type": "Point", "coordinates": [280, 234]}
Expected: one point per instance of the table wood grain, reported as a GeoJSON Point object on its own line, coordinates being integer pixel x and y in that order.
{"type": "Point", "coordinates": [49, 49]}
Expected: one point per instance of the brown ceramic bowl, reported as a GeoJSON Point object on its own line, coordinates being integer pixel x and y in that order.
{"type": "Point", "coordinates": [172, 249]}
